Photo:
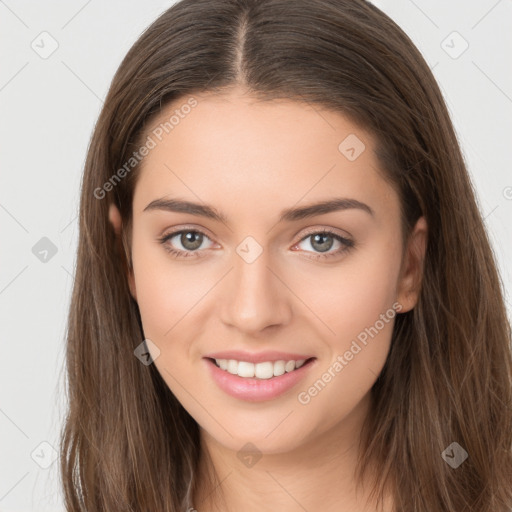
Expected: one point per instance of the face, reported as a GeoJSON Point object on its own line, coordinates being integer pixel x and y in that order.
{"type": "Point", "coordinates": [232, 261]}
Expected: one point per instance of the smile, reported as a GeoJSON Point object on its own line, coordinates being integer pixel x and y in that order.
{"type": "Point", "coordinates": [258, 381]}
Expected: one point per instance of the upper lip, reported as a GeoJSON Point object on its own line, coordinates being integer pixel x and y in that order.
{"type": "Point", "coordinates": [258, 357]}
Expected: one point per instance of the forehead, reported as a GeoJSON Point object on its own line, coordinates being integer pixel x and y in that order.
{"type": "Point", "coordinates": [235, 150]}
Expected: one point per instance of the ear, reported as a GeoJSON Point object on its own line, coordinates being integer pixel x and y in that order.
{"type": "Point", "coordinates": [114, 216]}
{"type": "Point", "coordinates": [411, 273]}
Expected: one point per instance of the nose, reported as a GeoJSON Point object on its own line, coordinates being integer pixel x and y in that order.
{"type": "Point", "coordinates": [254, 296]}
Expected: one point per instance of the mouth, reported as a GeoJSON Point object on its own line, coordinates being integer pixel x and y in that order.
{"type": "Point", "coordinates": [257, 382]}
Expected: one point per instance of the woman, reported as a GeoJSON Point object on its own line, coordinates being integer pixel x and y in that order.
{"type": "Point", "coordinates": [285, 297]}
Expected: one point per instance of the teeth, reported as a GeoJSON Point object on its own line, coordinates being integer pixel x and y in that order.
{"type": "Point", "coordinates": [289, 366]}
{"type": "Point", "coordinates": [279, 368]}
{"type": "Point", "coordinates": [233, 366]}
{"type": "Point", "coordinates": [265, 370]}
{"type": "Point", "coordinates": [245, 369]}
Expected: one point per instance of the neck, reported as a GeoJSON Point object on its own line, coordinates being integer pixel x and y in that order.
{"type": "Point", "coordinates": [318, 474]}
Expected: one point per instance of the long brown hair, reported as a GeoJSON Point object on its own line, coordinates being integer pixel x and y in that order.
{"type": "Point", "coordinates": [127, 443]}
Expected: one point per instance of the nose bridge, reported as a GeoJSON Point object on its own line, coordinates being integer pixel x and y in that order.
{"type": "Point", "coordinates": [256, 298]}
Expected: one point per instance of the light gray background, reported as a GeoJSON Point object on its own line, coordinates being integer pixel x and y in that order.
{"type": "Point", "coordinates": [48, 107]}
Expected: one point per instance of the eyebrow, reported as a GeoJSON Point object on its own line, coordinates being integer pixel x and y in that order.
{"type": "Point", "coordinates": [287, 215]}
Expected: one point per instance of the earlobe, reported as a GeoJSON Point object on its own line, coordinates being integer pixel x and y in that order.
{"type": "Point", "coordinates": [115, 219]}
{"type": "Point", "coordinates": [411, 275]}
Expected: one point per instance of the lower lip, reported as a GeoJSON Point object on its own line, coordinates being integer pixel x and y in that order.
{"type": "Point", "coordinates": [256, 390]}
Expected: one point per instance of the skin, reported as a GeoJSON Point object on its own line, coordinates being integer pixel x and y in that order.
{"type": "Point", "coordinates": [251, 159]}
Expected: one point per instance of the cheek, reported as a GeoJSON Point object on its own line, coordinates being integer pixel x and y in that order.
{"type": "Point", "coordinates": [356, 304]}
{"type": "Point", "coordinates": [362, 319]}
{"type": "Point", "coordinates": [164, 294]}
{"type": "Point", "coordinates": [351, 296]}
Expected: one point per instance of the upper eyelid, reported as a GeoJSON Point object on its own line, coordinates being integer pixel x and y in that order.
{"type": "Point", "coordinates": [172, 233]}
{"type": "Point", "coordinates": [331, 231]}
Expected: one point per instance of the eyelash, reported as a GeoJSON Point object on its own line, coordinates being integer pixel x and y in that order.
{"type": "Point", "coordinates": [348, 244]}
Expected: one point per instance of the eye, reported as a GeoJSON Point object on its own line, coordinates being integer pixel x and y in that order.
{"type": "Point", "coordinates": [323, 241]}
{"type": "Point", "coordinates": [190, 240]}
